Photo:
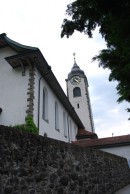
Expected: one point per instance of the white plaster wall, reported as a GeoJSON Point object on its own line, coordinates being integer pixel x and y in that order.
{"type": "Point", "coordinates": [13, 91]}
{"type": "Point", "coordinates": [83, 110]}
{"type": "Point", "coordinates": [13, 100]}
{"type": "Point", "coordinates": [49, 127]}
{"type": "Point", "coordinates": [123, 151]}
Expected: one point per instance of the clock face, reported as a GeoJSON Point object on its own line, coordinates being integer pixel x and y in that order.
{"type": "Point", "coordinates": [75, 80]}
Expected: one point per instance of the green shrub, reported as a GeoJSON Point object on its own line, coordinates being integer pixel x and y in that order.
{"type": "Point", "coordinates": [29, 126]}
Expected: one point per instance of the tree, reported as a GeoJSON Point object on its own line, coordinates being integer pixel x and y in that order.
{"type": "Point", "coordinates": [113, 19]}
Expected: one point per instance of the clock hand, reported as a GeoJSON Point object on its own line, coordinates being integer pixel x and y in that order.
{"type": "Point", "coordinates": [76, 80]}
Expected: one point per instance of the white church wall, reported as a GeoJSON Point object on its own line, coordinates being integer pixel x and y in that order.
{"type": "Point", "coordinates": [48, 127]}
{"type": "Point", "coordinates": [123, 151]}
{"type": "Point", "coordinates": [13, 91]}
{"type": "Point", "coordinates": [13, 101]}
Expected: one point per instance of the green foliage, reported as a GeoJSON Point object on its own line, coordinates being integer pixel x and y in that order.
{"type": "Point", "coordinates": [113, 19]}
{"type": "Point", "coordinates": [29, 126]}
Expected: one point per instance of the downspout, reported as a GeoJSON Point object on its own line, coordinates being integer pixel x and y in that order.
{"type": "Point", "coordinates": [39, 92]}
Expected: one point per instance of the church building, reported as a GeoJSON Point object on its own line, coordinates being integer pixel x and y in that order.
{"type": "Point", "coordinates": [28, 87]}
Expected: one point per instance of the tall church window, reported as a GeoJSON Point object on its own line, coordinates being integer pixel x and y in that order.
{"type": "Point", "coordinates": [45, 105]}
{"type": "Point", "coordinates": [56, 116]}
{"type": "Point", "coordinates": [71, 132]}
{"type": "Point", "coordinates": [76, 92]}
{"type": "Point", "coordinates": [75, 129]}
{"type": "Point", "coordinates": [65, 124]}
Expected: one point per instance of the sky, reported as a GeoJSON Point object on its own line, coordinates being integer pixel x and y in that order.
{"type": "Point", "coordinates": [38, 23]}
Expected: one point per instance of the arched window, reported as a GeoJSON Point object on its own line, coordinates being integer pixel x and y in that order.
{"type": "Point", "coordinates": [56, 116]}
{"type": "Point", "coordinates": [75, 129]}
{"type": "Point", "coordinates": [45, 105]}
{"type": "Point", "coordinates": [71, 132]}
{"type": "Point", "coordinates": [65, 124]}
{"type": "Point", "coordinates": [0, 110]}
{"type": "Point", "coordinates": [76, 92]}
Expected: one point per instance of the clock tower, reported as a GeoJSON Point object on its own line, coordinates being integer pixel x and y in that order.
{"type": "Point", "coordinates": [78, 94]}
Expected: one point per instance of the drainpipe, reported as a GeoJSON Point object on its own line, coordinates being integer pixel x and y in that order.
{"type": "Point", "coordinates": [39, 92]}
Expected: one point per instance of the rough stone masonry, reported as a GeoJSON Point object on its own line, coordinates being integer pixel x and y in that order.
{"type": "Point", "coordinates": [31, 164]}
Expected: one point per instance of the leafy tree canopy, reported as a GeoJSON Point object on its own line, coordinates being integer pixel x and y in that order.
{"type": "Point", "coordinates": [113, 19]}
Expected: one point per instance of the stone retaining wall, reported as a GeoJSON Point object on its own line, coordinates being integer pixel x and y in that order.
{"type": "Point", "coordinates": [31, 164]}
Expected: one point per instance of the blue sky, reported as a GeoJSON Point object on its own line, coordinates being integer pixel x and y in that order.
{"type": "Point", "coordinates": [38, 23]}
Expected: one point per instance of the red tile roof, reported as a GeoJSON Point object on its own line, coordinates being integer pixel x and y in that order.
{"type": "Point", "coordinates": [104, 142]}
{"type": "Point", "coordinates": [83, 134]}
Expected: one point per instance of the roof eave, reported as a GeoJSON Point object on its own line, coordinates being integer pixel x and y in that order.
{"type": "Point", "coordinates": [15, 45]}
{"type": "Point", "coordinates": [110, 145]}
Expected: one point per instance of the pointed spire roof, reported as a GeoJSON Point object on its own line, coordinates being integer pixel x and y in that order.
{"type": "Point", "coordinates": [76, 70]}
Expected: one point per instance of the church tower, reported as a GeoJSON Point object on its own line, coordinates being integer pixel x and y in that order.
{"type": "Point", "coordinates": [78, 94]}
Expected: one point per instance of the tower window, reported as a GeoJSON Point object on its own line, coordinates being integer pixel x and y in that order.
{"type": "Point", "coordinates": [78, 105]}
{"type": "Point", "coordinates": [76, 92]}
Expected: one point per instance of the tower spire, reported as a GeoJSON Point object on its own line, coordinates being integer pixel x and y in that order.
{"type": "Point", "coordinates": [74, 54]}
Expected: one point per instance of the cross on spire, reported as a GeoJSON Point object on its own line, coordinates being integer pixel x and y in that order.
{"type": "Point", "coordinates": [74, 54]}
